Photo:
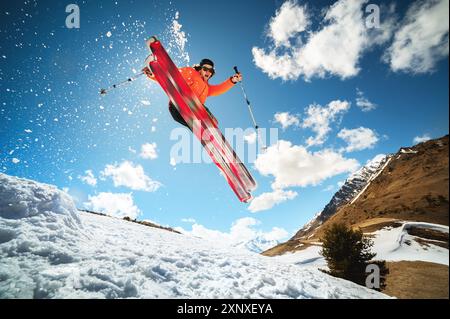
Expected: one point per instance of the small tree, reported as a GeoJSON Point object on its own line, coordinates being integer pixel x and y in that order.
{"type": "Point", "coordinates": [347, 252]}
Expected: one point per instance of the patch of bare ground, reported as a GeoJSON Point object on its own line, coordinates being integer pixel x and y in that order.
{"type": "Point", "coordinates": [417, 280]}
{"type": "Point", "coordinates": [429, 236]}
{"type": "Point", "coordinates": [374, 224]}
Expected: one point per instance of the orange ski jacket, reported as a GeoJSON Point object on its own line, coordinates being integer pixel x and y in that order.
{"type": "Point", "coordinates": [201, 88]}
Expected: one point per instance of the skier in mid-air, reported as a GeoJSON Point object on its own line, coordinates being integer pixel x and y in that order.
{"type": "Point", "coordinates": [188, 88]}
{"type": "Point", "coordinates": [197, 77]}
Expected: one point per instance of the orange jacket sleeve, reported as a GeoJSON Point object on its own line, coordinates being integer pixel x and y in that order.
{"type": "Point", "coordinates": [215, 90]}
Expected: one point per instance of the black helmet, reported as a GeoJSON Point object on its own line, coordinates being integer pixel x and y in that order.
{"type": "Point", "coordinates": [206, 61]}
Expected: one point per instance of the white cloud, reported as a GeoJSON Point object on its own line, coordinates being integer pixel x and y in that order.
{"type": "Point", "coordinates": [266, 201]}
{"type": "Point", "coordinates": [89, 178]}
{"type": "Point", "coordinates": [15, 160]}
{"type": "Point", "coordinates": [148, 151]}
{"type": "Point", "coordinates": [363, 103]}
{"type": "Point", "coordinates": [336, 48]}
{"type": "Point", "coordinates": [188, 220]}
{"type": "Point", "coordinates": [286, 119]}
{"type": "Point", "coordinates": [128, 175]}
{"type": "Point", "coordinates": [118, 205]}
{"type": "Point", "coordinates": [333, 50]}
{"type": "Point", "coordinates": [289, 20]}
{"type": "Point", "coordinates": [319, 118]}
{"type": "Point", "coordinates": [294, 165]}
{"type": "Point", "coordinates": [421, 139]}
{"type": "Point", "coordinates": [386, 21]}
{"type": "Point", "coordinates": [358, 139]}
{"type": "Point", "coordinates": [422, 39]}
{"type": "Point", "coordinates": [173, 161]}
{"type": "Point", "coordinates": [276, 66]}
{"type": "Point", "coordinates": [242, 234]}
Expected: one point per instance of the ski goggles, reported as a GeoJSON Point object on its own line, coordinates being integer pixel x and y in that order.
{"type": "Point", "coordinates": [211, 70]}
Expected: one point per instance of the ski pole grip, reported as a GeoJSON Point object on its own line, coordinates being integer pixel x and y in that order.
{"type": "Point", "coordinates": [236, 69]}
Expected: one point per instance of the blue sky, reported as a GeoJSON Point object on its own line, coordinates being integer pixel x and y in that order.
{"type": "Point", "coordinates": [369, 91]}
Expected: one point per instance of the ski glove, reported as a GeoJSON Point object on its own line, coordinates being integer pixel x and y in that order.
{"type": "Point", "coordinates": [236, 78]}
{"type": "Point", "coordinates": [148, 73]}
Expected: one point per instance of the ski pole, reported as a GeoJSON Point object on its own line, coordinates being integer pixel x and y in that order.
{"type": "Point", "coordinates": [114, 86]}
{"type": "Point", "coordinates": [246, 100]}
{"type": "Point", "coordinates": [250, 109]}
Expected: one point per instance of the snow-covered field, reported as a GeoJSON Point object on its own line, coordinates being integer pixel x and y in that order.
{"type": "Point", "coordinates": [50, 250]}
{"type": "Point", "coordinates": [395, 244]}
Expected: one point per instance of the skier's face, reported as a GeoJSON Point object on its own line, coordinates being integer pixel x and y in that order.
{"type": "Point", "coordinates": [206, 72]}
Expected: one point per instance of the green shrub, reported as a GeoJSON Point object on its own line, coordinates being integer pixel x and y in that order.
{"type": "Point", "coordinates": [347, 252]}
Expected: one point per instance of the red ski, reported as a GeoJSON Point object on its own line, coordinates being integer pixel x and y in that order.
{"type": "Point", "coordinates": [200, 122]}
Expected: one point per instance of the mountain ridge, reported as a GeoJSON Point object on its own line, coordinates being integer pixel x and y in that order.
{"type": "Point", "coordinates": [411, 184]}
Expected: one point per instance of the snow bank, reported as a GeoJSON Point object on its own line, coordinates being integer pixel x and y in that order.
{"type": "Point", "coordinates": [37, 224]}
{"type": "Point", "coordinates": [51, 252]}
{"type": "Point", "coordinates": [395, 244]}
{"type": "Point", "coordinates": [22, 198]}
{"type": "Point", "coordinates": [307, 257]}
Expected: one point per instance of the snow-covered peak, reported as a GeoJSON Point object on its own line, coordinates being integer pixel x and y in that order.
{"type": "Point", "coordinates": [311, 223]}
{"type": "Point", "coordinates": [353, 185]}
{"type": "Point", "coordinates": [370, 168]}
{"type": "Point", "coordinates": [258, 244]}
{"type": "Point", "coordinates": [357, 181]}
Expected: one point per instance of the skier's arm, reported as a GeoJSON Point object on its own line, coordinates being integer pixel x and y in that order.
{"type": "Point", "coordinates": [225, 86]}
{"type": "Point", "coordinates": [219, 89]}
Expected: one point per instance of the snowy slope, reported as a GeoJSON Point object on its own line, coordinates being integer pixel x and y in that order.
{"type": "Point", "coordinates": [50, 250]}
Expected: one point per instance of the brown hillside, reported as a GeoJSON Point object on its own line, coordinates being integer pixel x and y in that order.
{"type": "Point", "coordinates": [417, 280]}
{"type": "Point", "coordinates": [413, 186]}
